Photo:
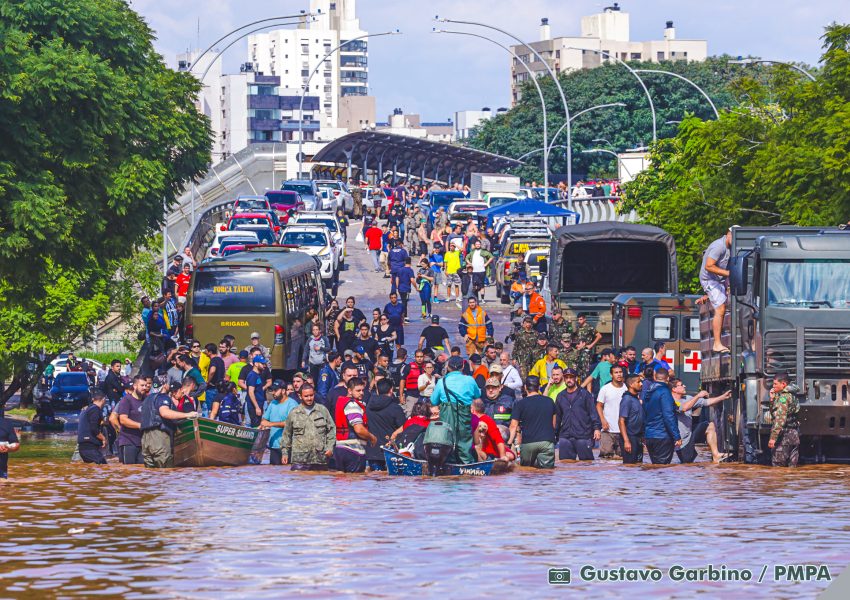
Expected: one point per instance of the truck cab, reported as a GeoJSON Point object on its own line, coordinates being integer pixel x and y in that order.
{"type": "Point", "coordinates": [789, 310]}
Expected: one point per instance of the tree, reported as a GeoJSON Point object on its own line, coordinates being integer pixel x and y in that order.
{"type": "Point", "coordinates": [780, 157]}
{"type": "Point", "coordinates": [520, 129]}
{"type": "Point", "coordinates": [96, 132]}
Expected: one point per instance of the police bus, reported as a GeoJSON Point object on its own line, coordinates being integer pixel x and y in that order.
{"type": "Point", "coordinates": [263, 289]}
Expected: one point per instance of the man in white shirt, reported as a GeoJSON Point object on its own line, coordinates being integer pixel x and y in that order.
{"type": "Point", "coordinates": [511, 377]}
{"type": "Point", "coordinates": [608, 407]}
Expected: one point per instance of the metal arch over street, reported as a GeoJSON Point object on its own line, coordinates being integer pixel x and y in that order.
{"type": "Point", "coordinates": [393, 157]}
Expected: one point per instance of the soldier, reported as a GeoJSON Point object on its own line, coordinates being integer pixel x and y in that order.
{"type": "Point", "coordinates": [357, 199]}
{"type": "Point", "coordinates": [525, 341]}
{"type": "Point", "coordinates": [586, 338]}
{"type": "Point", "coordinates": [313, 444]}
{"type": "Point", "coordinates": [785, 432]}
{"type": "Point", "coordinates": [571, 355]}
{"type": "Point", "coordinates": [558, 327]}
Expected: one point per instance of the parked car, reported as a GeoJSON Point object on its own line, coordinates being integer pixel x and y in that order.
{"type": "Point", "coordinates": [70, 391]}
{"type": "Point", "coordinates": [60, 363]}
{"type": "Point", "coordinates": [439, 199]}
{"type": "Point", "coordinates": [461, 211]}
{"type": "Point", "coordinates": [250, 218]}
{"type": "Point", "coordinates": [307, 189]}
{"type": "Point", "coordinates": [339, 190]}
{"type": "Point", "coordinates": [330, 221]}
{"type": "Point", "coordinates": [265, 234]}
{"type": "Point", "coordinates": [328, 200]}
{"type": "Point", "coordinates": [284, 202]}
{"type": "Point", "coordinates": [317, 240]}
{"type": "Point", "coordinates": [251, 204]}
{"type": "Point", "coordinates": [237, 236]}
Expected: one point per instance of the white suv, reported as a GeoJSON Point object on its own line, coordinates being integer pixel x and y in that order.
{"type": "Point", "coordinates": [339, 191]}
{"type": "Point", "coordinates": [316, 240]}
{"type": "Point", "coordinates": [330, 221]}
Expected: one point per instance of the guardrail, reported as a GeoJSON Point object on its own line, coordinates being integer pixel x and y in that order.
{"type": "Point", "coordinates": [597, 209]}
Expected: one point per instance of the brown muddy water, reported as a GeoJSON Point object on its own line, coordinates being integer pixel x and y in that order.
{"type": "Point", "coordinates": [263, 532]}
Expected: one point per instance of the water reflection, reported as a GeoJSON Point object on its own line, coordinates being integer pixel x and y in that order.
{"type": "Point", "coordinates": [262, 531]}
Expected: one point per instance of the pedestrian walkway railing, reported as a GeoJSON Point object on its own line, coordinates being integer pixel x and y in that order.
{"type": "Point", "coordinates": [604, 208]}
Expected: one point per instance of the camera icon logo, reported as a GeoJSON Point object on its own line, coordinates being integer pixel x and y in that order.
{"type": "Point", "coordinates": [559, 576]}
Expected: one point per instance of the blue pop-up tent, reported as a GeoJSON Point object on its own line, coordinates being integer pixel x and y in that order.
{"type": "Point", "coordinates": [531, 208]}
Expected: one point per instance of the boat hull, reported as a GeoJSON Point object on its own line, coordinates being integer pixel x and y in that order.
{"type": "Point", "coordinates": [405, 466]}
{"type": "Point", "coordinates": [207, 443]}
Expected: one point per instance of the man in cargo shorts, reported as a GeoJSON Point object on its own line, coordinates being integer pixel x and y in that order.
{"type": "Point", "coordinates": [713, 276]}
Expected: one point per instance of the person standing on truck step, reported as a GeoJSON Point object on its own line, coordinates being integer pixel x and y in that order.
{"type": "Point", "coordinates": [785, 429]}
{"type": "Point", "coordinates": [713, 276]}
{"type": "Point", "coordinates": [686, 404]}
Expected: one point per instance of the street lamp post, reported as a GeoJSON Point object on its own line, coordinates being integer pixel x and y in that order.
{"type": "Point", "coordinates": [241, 37]}
{"type": "Point", "coordinates": [612, 153]}
{"type": "Point", "coordinates": [638, 77]}
{"type": "Point", "coordinates": [686, 80]}
{"type": "Point", "coordinates": [306, 87]}
{"type": "Point", "coordinates": [754, 61]}
{"type": "Point", "coordinates": [546, 147]}
{"type": "Point", "coordinates": [577, 115]}
{"type": "Point", "coordinates": [536, 150]}
{"type": "Point", "coordinates": [554, 79]}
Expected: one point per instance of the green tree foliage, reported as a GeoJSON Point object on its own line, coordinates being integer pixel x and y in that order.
{"type": "Point", "coordinates": [520, 130]}
{"type": "Point", "coordinates": [95, 131]}
{"type": "Point", "coordinates": [779, 157]}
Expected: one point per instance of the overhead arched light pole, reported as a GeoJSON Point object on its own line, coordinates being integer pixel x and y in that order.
{"type": "Point", "coordinates": [754, 61]}
{"type": "Point", "coordinates": [546, 147]}
{"type": "Point", "coordinates": [577, 115]}
{"type": "Point", "coordinates": [241, 37]}
{"type": "Point", "coordinates": [306, 87]}
{"type": "Point", "coordinates": [638, 77]}
{"type": "Point", "coordinates": [554, 79]}
{"type": "Point", "coordinates": [612, 153]}
{"type": "Point", "coordinates": [536, 150]}
{"type": "Point", "coordinates": [686, 80]}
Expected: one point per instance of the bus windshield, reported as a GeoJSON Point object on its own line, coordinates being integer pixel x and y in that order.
{"type": "Point", "coordinates": [230, 291]}
{"type": "Point", "coordinates": [807, 283]}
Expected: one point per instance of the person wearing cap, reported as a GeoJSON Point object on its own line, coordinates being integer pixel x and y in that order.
{"type": "Point", "coordinates": [542, 369]}
{"type": "Point", "coordinates": [328, 376]}
{"type": "Point", "coordinates": [498, 404]}
{"type": "Point", "coordinates": [274, 418]}
{"type": "Point", "coordinates": [235, 369]}
{"type": "Point", "coordinates": [525, 346]}
{"type": "Point", "coordinates": [90, 438]}
{"type": "Point", "coordinates": [533, 427]}
{"type": "Point", "coordinates": [475, 326]}
{"type": "Point", "coordinates": [227, 407]}
{"type": "Point", "coordinates": [713, 276]}
{"type": "Point", "coordinates": [159, 422]}
{"type": "Point", "coordinates": [785, 429]}
{"type": "Point", "coordinates": [454, 394]}
{"type": "Point", "coordinates": [558, 327]}
{"type": "Point", "coordinates": [487, 436]}
{"type": "Point", "coordinates": [255, 343]}
{"type": "Point", "coordinates": [434, 336]}
{"type": "Point", "coordinates": [586, 339]}
{"type": "Point", "coordinates": [577, 421]}
{"type": "Point", "coordinates": [255, 386]}
{"type": "Point", "coordinates": [308, 439]}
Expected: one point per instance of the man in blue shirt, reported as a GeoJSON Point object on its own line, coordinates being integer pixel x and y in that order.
{"type": "Point", "coordinates": [648, 360]}
{"type": "Point", "coordinates": [254, 383]}
{"type": "Point", "coordinates": [328, 376]}
{"type": "Point", "coordinates": [395, 313]}
{"type": "Point", "coordinates": [406, 279]}
{"type": "Point", "coordinates": [631, 421]}
{"type": "Point", "coordinates": [395, 259]}
{"type": "Point", "coordinates": [274, 417]}
{"type": "Point", "coordinates": [435, 261]}
{"type": "Point", "coordinates": [662, 428]}
{"type": "Point", "coordinates": [454, 394]}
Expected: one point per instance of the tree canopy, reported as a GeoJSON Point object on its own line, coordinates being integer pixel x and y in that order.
{"type": "Point", "coordinates": [520, 129]}
{"type": "Point", "coordinates": [780, 156]}
{"type": "Point", "coordinates": [97, 131]}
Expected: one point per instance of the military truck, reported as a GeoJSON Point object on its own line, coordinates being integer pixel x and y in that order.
{"type": "Point", "coordinates": [788, 310]}
{"type": "Point", "coordinates": [641, 320]}
{"type": "Point", "coordinates": [591, 263]}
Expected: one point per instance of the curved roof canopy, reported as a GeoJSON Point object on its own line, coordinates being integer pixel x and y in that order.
{"type": "Point", "coordinates": [415, 157]}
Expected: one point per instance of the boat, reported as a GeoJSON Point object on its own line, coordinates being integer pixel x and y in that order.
{"type": "Point", "coordinates": [406, 466]}
{"type": "Point", "coordinates": [204, 442]}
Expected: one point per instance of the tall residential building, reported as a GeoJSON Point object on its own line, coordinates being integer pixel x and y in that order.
{"type": "Point", "coordinates": [293, 54]}
{"type": "Point", "coordinates": [467, 120]}
{"type": "Point", "coordinates": [607, 31]}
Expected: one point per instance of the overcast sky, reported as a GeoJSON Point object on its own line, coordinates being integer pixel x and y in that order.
{"type": "Point", "coordinates": [435, 75]}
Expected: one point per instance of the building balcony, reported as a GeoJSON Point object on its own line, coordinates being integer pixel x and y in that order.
{"type": "Point", "coordinates": [293, 125]}
{"type": "Point", "coordinates": [263, 124]}
{"type": "Point", "coordinates": [264, 101]}
{"type": "Point", "coordinates": [267, 79]}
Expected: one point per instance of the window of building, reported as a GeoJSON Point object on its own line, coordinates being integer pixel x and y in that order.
{"type": "Point", "coordinates": [660, 56]}
{"type": "Point", "coordinates": [305, 73]}
{"type": "Point", "coordinates": [635, 55]}
{"type": "Point", "coordinates": [305, 49]}
{"type": "Point", "coordinates": [557, 54]}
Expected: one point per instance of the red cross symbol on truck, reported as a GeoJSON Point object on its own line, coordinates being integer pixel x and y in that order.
{"type": "Point", "coordinates": [693, 362]}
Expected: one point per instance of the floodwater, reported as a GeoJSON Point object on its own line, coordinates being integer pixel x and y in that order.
{"type": "Point", "coordinates": [264, 532]}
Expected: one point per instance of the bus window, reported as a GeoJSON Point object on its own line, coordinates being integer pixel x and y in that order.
{"type": "Point", "coordinates": [287, 292]}
{"type": "Point", "coordinates": [219, 291]}
{"type": "Point", "coordinates": [690, 329]}
{"type": "Point", "coordinates": [663, 329]}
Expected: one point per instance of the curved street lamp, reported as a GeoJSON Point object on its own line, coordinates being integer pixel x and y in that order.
{"type": "Point", "coordinates": [577, 115]}
{"type": "Point", "coordinates": [686, 80]}
{"type": "Point", "coordinates": [536, 150]}
{"type": "Point", "coordinates": [612, 153]}
{"type": "Point", "coordinates": [546, 147]}
{"type": "Point", "coordinates": [306, 87]}
{"type": "Point", "coordinates": [638, 77]}
{"type": "Point", "coordinates": [554, 79]}
{"type": "Point", "coordinates": [241, 37]}
{"type": "Point", "coordinates": [754, 61]}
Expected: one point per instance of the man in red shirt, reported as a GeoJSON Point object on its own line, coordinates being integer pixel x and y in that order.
{"type": "Point", "coordinates": [489, 443]}
{"type": "Point", "coordinates": [183, 282]}
{"type": "Point", "coordinates": [374, 240]}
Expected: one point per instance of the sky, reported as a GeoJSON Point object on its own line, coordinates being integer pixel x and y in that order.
{"type": "Point", "coordinates": [436, 75]}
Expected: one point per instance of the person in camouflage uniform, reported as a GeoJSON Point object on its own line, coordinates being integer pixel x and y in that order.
{"type": "Point", "coordinates": [357, 199]}
{"type": "Point", "coordinates": [525, 343]}
{"type": "Point", "coordinates": [586, 338]}
{"type": "Point", "coordinates": [411, 238]}
{"type": "Point", "coordinates": [558, 327]}
{"type": "Point", "coordinates": [570, 354]}
{"type": "Point", "coordinates": [784, 431]}
{"type": "Point", "coordinates": [310, 434]}
{"type": "Point", "coordinates": [540, 349]}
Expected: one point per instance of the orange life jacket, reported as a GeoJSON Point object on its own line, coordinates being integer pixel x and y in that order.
{"type": "Point", "coordinates": [476, 330]}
